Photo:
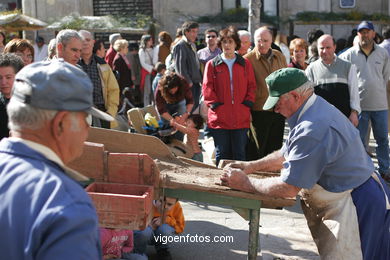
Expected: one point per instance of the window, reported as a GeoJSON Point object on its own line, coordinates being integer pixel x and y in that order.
{"type": "Point", "coordinates": [347, 3]}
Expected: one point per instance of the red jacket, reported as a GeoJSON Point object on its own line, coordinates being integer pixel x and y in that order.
{"type": "Point", "coordinates": [229, 111]}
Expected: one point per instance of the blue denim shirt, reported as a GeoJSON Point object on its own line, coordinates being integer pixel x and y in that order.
{"type": "Point", "coordinates": [323, 147]}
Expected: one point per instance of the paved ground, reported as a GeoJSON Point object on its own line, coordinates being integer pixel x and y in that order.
{"type": "Point", "coordinates": [283, 234]}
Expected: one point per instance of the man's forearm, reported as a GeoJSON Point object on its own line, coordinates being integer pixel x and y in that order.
{"type": "Point", "coordinates": [272, 162]}
{"type": "Point", "coordinates": [273, 187]}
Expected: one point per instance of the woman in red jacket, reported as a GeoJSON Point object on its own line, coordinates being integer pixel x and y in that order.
{"type": "Point", "coordinates": [229, 91]}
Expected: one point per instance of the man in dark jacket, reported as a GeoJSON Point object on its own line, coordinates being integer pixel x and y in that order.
{"type": "Point", "coordinates": [186, 59]}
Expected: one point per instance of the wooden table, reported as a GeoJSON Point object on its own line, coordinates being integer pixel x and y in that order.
{"type": "Point", "coordinates": [190, 180]}
{"type": "Point", "coordinates": [196, 183]}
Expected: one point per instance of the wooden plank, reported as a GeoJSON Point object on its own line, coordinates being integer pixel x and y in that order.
{"type": "Point", "coordinates": [91, 161]}
{"type": "Point", "coordinates": [219, 199]}
{"type": "Point", "coordinates": [132, 168]}
{"type": "Point", "coordinates": [122, 142]}
{"type": "Point", "coordinates": [197, 163]}
{"type": "Point", "coordinates": [206, 180]}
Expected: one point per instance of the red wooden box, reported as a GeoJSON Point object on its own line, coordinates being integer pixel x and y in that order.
{"type": "Point", "coordinates": [126, 206]}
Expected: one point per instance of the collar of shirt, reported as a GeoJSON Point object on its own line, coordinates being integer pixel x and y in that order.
{"type": "Point", "coordinates": [52, 156]}
{"type": "Point", "coordinates": [361, 50]}
{"type": "Point", "coordinates": [292, 121]}
{"type": "Point", "coordinates": [328, 65]}
{"type": "Point", "coordinates": [267, 56]}
{"type": "Point", "coordinates": [92, 61]}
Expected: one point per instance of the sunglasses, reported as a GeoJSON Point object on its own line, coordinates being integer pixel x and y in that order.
{"type": "Point", "coordinates": [211, 36]}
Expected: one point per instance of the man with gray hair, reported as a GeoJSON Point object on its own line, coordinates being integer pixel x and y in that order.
{"type": "Point", "coordinates": [105, 85]}
{"type": "Point", "coordinates": [245, 38]}
{"type": "Point", "coordinates": [345, 202]}
{"type": "Point", "coordinates": [45, 213]}
{"type": "Point", "coordinates": [110, 55]}
{"type": "Point", "coordinates": [68, 46]}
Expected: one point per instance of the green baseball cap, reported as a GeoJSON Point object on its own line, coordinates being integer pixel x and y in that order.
{"type": "Point", "coordinates": [282, 81]}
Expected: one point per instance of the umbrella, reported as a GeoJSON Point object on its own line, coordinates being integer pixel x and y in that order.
{"type": "Point", "coordinates": [20, 22]}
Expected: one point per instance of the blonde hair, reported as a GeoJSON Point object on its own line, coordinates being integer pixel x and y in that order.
{"type": "Point", "coordinates": [298, 43]}
{"type": "Point", "coordinates": [120, 44]}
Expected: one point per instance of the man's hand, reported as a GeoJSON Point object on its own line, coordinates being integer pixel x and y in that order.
{"type": "Point", "coordinates": [236, 179]}
{"type": "Point", "coordinates": [244, 166]}
{"type": "Point", "coordinates": [353, 117]}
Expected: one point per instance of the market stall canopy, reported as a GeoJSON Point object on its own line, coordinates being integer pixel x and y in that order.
{"type": "Point", "coordinates": [20, 22]}
{"type": "Point", "coordinates": [97, 24]}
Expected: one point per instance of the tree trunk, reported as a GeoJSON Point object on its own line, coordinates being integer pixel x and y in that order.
{"type": "Point", "coordinates": [254, 9]}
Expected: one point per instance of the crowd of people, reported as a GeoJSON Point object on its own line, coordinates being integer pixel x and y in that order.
{"type": "Point", "coordinates": [330, 92]}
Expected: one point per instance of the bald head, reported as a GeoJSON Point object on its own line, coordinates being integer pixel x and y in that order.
{"type": "Point", "coordinates": [263, 40]}
{"type": "Point", "coordinates": [326, 48]}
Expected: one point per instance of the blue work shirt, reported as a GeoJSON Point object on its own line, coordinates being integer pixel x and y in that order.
{"type": "Point", "coordinates": [44, 214]}
{"type": "Point", "coordinates": [323, 147]}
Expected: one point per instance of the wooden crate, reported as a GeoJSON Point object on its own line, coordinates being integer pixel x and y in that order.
{"type": "Point", "coordinates": [127, 206]}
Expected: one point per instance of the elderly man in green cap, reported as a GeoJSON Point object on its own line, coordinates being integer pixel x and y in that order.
{"type": "Point", "coordinates": [345, 202]}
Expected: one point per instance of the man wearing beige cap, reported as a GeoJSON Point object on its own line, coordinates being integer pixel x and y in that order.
{"type": "Point", "coordinates": [44, 212]}
{"type": "Point", "coordinates": [345, 202]}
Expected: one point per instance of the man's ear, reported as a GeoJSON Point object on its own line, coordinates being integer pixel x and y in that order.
{"type": "Point", "coordinates": [58, 124]}
{"type": "Point", "coordinates": [295, 95]}
{"type": "Point", "coordinates": [59, 49]}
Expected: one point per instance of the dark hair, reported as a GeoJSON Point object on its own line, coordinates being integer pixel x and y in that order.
{"type": "Point", "coordinates": [210, 30]}
{"type": "Point", "coordinates": [133, 46]}
{"type": "Point", "coordinates": [97, 45]}
{"type": "Point", "coordinates": [3, 34]}
{"type": "Point", "coordinates": [187, 26]}
{"type": "Point", "coordinates": [19, 45]}
{"type": "Point", "coordinates": [197, 119]}
{"type": "Point", "coordinates": [160, 67]}
{"type": "Point", "coordinates": [172, 80]}
{"type": "Point", "coordinates": [386, 32]}
{"type": "Point", "coordinates": [314, 34]}
{"type": "Point", "coordinates": [11, 60]}
{"type": "Point", "coordinates": [340, 45]}
{"type": "Point", "coordinates": [230, 32]}
{"type": "Point", "coordinates": [179, 32]}
{"type": "Point", "coordinates": [39, 39]}
{"type": "Point", "coordinates": [144, 39]}
{"type": "Point", "coordinates": [378, 38]}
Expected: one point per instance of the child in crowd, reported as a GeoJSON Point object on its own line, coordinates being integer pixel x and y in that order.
{"type": "Point", "coordinates": [168, 220]}
{"type": "Point", "coordinates": [160, 69]}
{"type": "Point", "coordinates": [118, 244]}
{"type": "Point", "coordinates": [191, 128]}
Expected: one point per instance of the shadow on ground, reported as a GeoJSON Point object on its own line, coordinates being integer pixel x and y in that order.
{"type": "Point", "coordinates": [234, 249]}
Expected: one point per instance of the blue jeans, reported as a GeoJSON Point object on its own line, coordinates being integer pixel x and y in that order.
{"type": "Point", "coordinates": [148, 236]}
{"type": "Point", "coordinates": [379, 129]}
{"type": "Point", "coordinates": [230, 144]}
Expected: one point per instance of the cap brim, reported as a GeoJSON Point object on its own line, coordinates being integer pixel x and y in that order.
{"type": "Point", "coordinates": [270, 103]}
{"type": "Point", "coordinates": [100, 114]}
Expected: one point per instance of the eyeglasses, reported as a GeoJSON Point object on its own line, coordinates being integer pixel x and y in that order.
{"type": "Point", "coordinates": [211, 36]}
